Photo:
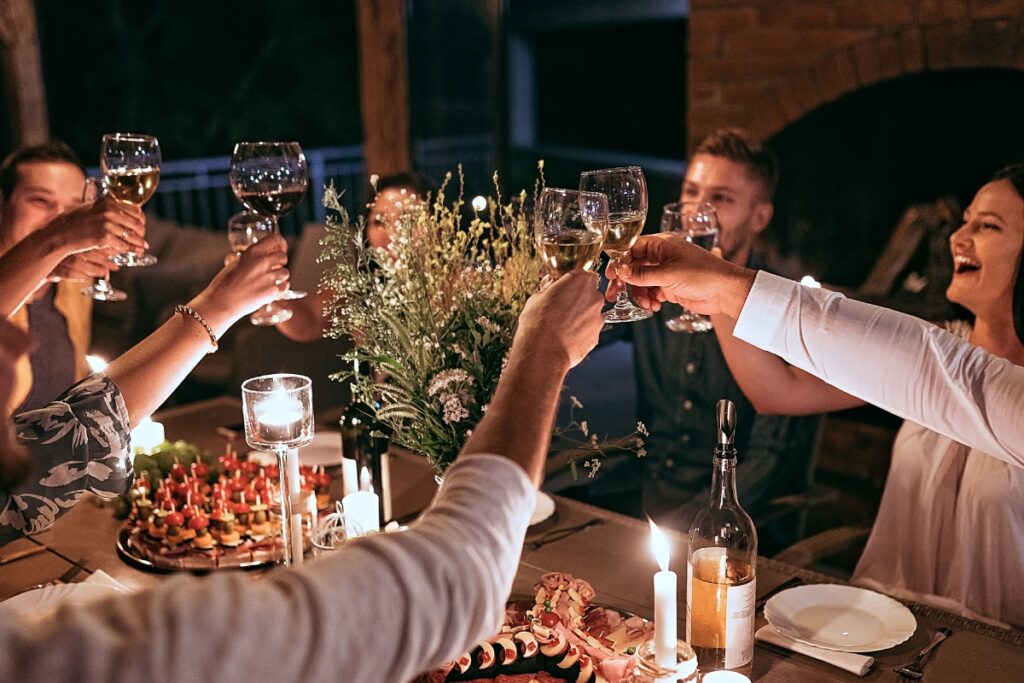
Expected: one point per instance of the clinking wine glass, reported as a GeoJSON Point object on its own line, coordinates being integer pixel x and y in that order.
{"type": "Point", "coordinates": [626, 190]}
{"type": "Point", "coordinates": [570, 227]}
{"type": "Point", "coordinates": [245, 229]}
{"type": "Point", "coordinates": [270, 178]}
{"type": "Point", "coordinates": [699, 227]}
{"type": "Point", "coordinates": [101, 289]}
{"type": "Point", "coordinates": [131, 166]}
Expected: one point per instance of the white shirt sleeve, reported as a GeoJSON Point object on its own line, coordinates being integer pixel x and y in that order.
{"type": "Point", "coordinates": [895, 361]}
{"type": "Point", "coordinates": [383, 609]}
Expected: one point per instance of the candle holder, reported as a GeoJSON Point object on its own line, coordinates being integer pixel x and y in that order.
{"type": "Point", "coordinates": [647, 670]}
{"type": "Point", "coordinates": [278, 413]}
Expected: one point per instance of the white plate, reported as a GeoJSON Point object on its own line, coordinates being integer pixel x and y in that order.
{"type": "Point", "coordinates": [38, 602]}
{"type": "Point", "coordinates": [841, 618]}
{"type": "Point", "coordinates": [545, 508]}
{"type": "Point", "coordinates": [324, 449]}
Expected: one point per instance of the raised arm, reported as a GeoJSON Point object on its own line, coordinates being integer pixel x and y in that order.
{"type": "Point", "coordinates": [384, 608]}
{"type": "Point", "coordinates": [895, 361]}
{"type": "Point", "coordinates": [147, 373]}
{"type": "Point", "coordinates": [771, 384]}
{"type": "Point", "coordinates": [105, 226]}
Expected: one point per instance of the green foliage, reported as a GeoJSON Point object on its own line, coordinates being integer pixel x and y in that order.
{"type": "Point", "coordinates": [432, 315]}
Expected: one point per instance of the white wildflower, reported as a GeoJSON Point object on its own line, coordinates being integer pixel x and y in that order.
{"type": "Point", "coordinates": [642, 428]}
{"type": "Point", "coordinates": [453, 408]}
{"type": "Point", "coordinates": [488, 325]}
{"type": "Point", "coordinates": [447, 378]}
{"type": "Point", "coordinates": [575, 402]}
{"type": "Point", "coordinates": [593, 465]}
{"type": "Point", "coordinates": [641, 453]}
{"type": "Point", "coordinates": [584, 428]}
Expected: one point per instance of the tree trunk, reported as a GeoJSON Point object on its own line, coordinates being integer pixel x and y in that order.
{"type": "Point", "coordinates": [23, 72]}
{"type": "Point", "coordinates": [384, 85]}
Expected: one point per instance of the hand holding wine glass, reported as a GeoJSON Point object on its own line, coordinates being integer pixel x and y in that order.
{"type": "Point", "coordinates": [245, 229]}
{"type": "Point", "coordinates": [95, 192]}
{"type": "Point", "coordinates": [626, 189]}
{"type": "Point", "coordinates": [131, 168]}
{"type": "Point", "coordinates": [270, 178]}
{"type": "Point", "coordinates": [699, 227]}
{"type": "Point", "coordinates": [570, 228]}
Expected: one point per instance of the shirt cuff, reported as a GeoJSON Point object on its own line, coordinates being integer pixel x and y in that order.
{"type": "Point", "coordinates": [763, 313]}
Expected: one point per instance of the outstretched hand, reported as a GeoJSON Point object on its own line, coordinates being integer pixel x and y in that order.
{"type": "Point", "coordinates": [665, 267]}
{"type": "Point", "coordinates": [564, 318]}
{"type": "Point", "coordinates": [255, 279]}
{"type": "Point", "coordinates": [103, 224]}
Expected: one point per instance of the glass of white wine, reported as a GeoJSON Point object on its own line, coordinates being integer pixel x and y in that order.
{"type": "Point", "coordinates": [131, 167]}
{"type": "Point", "coordinates": [101, 289]}
{"type": "Point", "coordinates": [699, 227]}
{"type": "Point", "coordinates": [626, 189]}
{"type": "Point", "coordinates": [245, 229]}
{"type": "Point", "coordinates": [569, 227]}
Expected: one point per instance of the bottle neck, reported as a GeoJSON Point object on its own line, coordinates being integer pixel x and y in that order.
{"type": "Point", "coordinates": [723, 478]}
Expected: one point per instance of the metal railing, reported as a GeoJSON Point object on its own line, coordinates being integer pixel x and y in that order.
{"type": "Point", "coordinates": [197, 191]}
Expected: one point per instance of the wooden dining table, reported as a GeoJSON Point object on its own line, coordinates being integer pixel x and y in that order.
{"type": "Point", "coordinates": [609, 550]}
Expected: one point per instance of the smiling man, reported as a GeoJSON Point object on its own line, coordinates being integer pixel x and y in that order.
{"type": "Point", "coordinates": [38, 184]}
{"type": "Point", "coordinates": [681, 376]}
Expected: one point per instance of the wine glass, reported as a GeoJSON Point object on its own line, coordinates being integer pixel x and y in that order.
{"type": "Point", "coordinates": [270, 178]}
{"type": "Point", "coordinates": [570, 227]}
{"type": "Point", "coordinates": [101, 289]}
{"type": "Point", "coordinates": [245, 229]}
{"type": "Point", "coordinates": [626, 190]}
{"type": "Point", "coordinates": [700, 228]}
{"type": "Point", "coordinates": [131, 166]}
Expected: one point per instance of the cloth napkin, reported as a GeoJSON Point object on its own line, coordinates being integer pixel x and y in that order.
{"type": "Point", "coordinates": [847, 661]}
{"type": "Point", "coordinates": [101, 578]}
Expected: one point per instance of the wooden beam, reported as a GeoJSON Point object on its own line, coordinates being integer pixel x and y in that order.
{"type": "Point", "coordinates": [23, 72]}
{"type": "Point", "coordinates": [384, 85]}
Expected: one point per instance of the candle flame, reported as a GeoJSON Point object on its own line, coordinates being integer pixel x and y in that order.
{"type": "Point", "coordinates": [365, 483]}
{"type": "Point", "coordinates": [659, 546]}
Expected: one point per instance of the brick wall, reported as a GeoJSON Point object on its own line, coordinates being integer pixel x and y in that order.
{"type": "Point", "coordinates": [763, 64]}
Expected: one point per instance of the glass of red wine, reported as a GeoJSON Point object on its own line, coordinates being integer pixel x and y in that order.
{"type": "Point", "coordinates": [270, 178]}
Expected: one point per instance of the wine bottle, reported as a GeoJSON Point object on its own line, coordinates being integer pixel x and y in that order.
{"type": "Point", "coordinates": [721, 566]}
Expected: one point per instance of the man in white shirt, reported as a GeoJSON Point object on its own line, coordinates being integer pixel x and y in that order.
{"type": "Point", "coordinates": [382, 609]}
{"type": "Point", "coordinates": [895, 361]}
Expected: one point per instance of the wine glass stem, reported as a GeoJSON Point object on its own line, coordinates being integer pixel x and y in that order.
{"type": "Point", "coordinates": [291, 523]}
{"type": "Point", "coordinates": [622, 296]}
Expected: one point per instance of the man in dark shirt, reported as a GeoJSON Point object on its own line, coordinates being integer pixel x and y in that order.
{"type": "Point", "coordinates": [681, 376]}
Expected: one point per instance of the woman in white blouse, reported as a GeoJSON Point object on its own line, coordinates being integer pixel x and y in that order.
{"type": "Point", "coordinates": [950, 529]}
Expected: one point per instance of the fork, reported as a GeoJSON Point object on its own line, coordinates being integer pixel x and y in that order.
{"type": "Point", "coordinates": [915, 669]}
{"type": "Point", "coordinates": [559, 534]}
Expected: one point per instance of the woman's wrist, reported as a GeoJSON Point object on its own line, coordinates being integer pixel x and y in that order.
{"type": "Point", "coordinates": [218, 316]}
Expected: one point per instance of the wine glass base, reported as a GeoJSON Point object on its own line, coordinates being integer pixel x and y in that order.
{"type": "Point", "coordinates": [626, 315]}
{"type": "Point", "coordinates": [292, 294]}
{"type": "Point", "coordinates": [264, 319]}
{"type": "Point", "coordinates": [689, 324]}
{"type": "Point", "coordinates": [133, 260]}
{"type": "Point", "coordinates": [105, 294]}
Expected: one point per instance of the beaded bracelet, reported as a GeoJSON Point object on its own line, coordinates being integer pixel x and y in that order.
{"type": "Point", "coordinates": [188, 310]}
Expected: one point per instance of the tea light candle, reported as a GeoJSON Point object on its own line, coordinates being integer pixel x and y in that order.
{"type": "Point", "coordinates": [362, 509]}
{"type": "Point", "coordinates": [665, 582]}
{"type": "Point", "coordinates": [279, 418]}
{"type": "Point", "coordinates": [147, 435]}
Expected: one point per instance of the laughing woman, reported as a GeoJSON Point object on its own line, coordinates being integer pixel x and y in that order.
{"type": "Point", "coordinates": [950, 528]}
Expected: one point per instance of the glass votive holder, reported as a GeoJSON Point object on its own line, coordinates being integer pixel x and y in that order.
{"type": "Point", "coordinates": [647, 670]}
{"type": "Point", "coordinates": [278, 411]}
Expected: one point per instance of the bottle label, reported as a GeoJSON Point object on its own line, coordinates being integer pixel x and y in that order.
{"type": "Point", "coordinates": [739, 636]}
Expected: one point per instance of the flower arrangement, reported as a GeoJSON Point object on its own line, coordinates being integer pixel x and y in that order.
{"type": "Point", "coordinates": [433, 316]}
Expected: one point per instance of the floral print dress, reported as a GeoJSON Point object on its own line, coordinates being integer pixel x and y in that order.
{"type": "Point", "coordinates": [79, 443]}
